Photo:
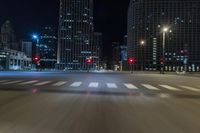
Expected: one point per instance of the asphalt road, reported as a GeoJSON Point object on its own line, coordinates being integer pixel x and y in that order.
{"type": "Point", "coordinates": [53, 102]}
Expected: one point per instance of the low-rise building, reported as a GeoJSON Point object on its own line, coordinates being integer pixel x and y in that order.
{"type": "Point", "coordinates": [14, 60]}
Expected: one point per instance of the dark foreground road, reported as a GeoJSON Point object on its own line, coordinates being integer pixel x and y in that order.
{"type": "Point", "coordinates": [98, 103]}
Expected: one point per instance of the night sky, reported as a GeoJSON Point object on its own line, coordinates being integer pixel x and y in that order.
{"type": "Point", "coordinates": [27, 16]}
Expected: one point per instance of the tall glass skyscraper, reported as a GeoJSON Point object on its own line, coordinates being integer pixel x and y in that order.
{"type": "Point", "coordinates": [146, 19]}
{"type": "Point", "coordinates": [48, 43]}
{"type": "Point", "coordinates": [75, 34]}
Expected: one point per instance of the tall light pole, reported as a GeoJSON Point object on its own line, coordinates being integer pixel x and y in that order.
{"type": "Point", "coordinates": [142, 44]}
{"type": "Point", "coordinates": [164, 31]}
{"type": "Point", "coordinates": [36, 37]}
{"type": "Point", "coordinates": [36, 55]}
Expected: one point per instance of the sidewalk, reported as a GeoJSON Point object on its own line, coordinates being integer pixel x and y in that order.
{"type": "Point", "coordinates": [193, 74]}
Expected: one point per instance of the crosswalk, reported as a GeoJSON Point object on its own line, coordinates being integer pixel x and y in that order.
{"type": "Point", "coordinates": [76, 84]}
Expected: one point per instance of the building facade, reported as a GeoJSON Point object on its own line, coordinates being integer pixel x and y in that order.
{"type": "Point", "coordinates": [14, 60]}
{"type": "Point", "coordinates": [146, 20]}
{"type": "Point", "coordinates": [98, 47]}
{"type": "Point", "coordinates": [48, 47]}
{"type": "Point", "coordinates": [8, 38]}
{"type": "Point", "coordinates": [27, 48]}
{"type": "Point", "coordinates": [75, 36]}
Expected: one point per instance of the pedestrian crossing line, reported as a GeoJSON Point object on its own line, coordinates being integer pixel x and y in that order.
{"type": "Point", "coordinates": [131, 86]}
{"type": "Point", "coordinates": [76, 84]}
{"type": "Point", "coordinates": [190, 88]}
{"type": "Point", "coordinates": [170, 88]}
{"type": "Point", "coordinates": [1, 81]}
{"type": "Point", "coordinates": [13, 82]}
{"type": "Point", "coordinates": [28, 82]}
{"type": "Point", "coordinates": [43, 83]}
{"type": "Point", "coordinates": [150, 87]}
{"type": "Point", "coordinates": [93, 85]}
{"type": "Point", "coordinates": [60, 83]}
{"type": "Point", "coordinates": [111, 85]}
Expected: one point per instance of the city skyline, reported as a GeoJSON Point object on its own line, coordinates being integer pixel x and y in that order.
{"type": "Point", "coordinates": [109, 18]}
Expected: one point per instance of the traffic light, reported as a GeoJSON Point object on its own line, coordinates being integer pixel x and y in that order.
{"type": "Point", "coordinates": [131, 60]}
{"type": "Point", "coordinates": [162, 61]}
{"type": "Point", "coordinates": [36, 59]}
{"type": "Point", "coordinates": [89, 61]}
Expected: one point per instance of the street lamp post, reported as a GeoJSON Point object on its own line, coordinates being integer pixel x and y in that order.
{"type": "Point", "coordinates": [142, 44]}
{"type": "Point", "coordinates": [35, 37]}
{"type": "Point", "coordinates": [165, 30]}
{"type": "Point", "coordinates": [37, 48]}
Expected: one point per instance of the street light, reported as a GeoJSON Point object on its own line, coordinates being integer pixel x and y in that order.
{"type": "Point", "coordinates": [142, 44]}
{"type": "Point", "coordinates": [164, 31]}
{"type": "Point", "coordinates": [36, 51]}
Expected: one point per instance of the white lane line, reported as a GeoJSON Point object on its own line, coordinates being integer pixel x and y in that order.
{"type": "Point", "coordinates": [170, 88]}
{"type": "Point", "coordinates": [111, 85]}
{"type": "Point", "coordinates": [59, 83]}
{"type": "Point", "coordinates": [1, 81]}
{"type": "Point", "coordinates": [12, 82]}
{"type": "Point", "coordinates": [190, 88]}
{"type": "Point", "coordinates": [43, 83]}
{"type": "Point", "coordinates": [150, 87]}
{"type": "Point", "coordinates": [28, 82]}
{"type": "Point", "coordinates": [76, 84]}
{"type": "Point", "coordinates": [93, 85]}
{"type": "Point", "coordinates": [131, 86]}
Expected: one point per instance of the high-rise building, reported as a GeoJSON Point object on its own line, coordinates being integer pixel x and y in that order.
{"type": "Point", "coordinates": [98, 48]}
{"type": "Point", "coordinates": [48, 47]}
{"type": "Point", "coordinates": [146, 20]}
{"type": "Point", "coordinates": [26, 47]}
{"type": "Point", "coordinates": [75, 36]}
{"type": "Point", "coordinates": [8, 38]}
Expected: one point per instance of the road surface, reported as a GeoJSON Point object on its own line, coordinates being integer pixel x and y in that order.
{"type": "Point", "coordinates": [78, 102]}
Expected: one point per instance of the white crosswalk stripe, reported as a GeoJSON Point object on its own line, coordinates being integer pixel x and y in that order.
{"type": "Point", "coordinates": [170, 88]}
{"type": "Point", "coordinates": [76, 84]}
{"type": "Point", "coordinates": [29, 82]}
{"type": "Point", "coordinates": [43, 83]}
{"type": "Point", "coordinates": [2, 81]}
{"type": "Point", "coordinates": [12, 82]}
{"type": "Point", "coordinates": [60, 83]}
{"type": "Point", "coordinates": [131, 86]}
{"type": "Point", "coordinates": [94, 85]}
{"type": "Point", "coordinates": [150, 87]}
{"type": "Point", "coordinates": [190, 88]}
{"type": "Point", "coordinates": [111, 85]}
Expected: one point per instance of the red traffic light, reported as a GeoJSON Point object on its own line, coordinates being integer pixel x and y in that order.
{"type": "Point", "coordinates": [162, 61]}
{"type": "Point", "coordinates": [89, 61]}
{"type": "Point", "coordinates": [132, 60]}
{"type": "Point", "coordinates": [36, 59]}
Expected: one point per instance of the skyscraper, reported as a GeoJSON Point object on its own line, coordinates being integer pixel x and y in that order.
{"type": "Point", "coordinates": [26, 47]}
{"type": "Point", "coordinates": [75, 34]}
{"type": "Point", "coordinates": [98, 47]}
{"type": "Point", "coordinates": [48, 46]}
{"type": "Point", "coordinates": [146, 20]}
{"type": "Point", "coordinates": [8, 38]}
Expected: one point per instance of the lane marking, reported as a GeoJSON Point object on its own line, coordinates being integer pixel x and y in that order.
{"type": "Point", "coordinates": [131, 86]}
{"type": "Point", "coordinates": [43, 83]}
{"type": "Point", "coordinates": [190, 88]}
{"type": "Point", "coordinates": [150, 87]}
{"type": "Point", "coordinates": [59, 83]}
{"type": "Point", "coordinates": [1, 81]}
{"type": "Point", "coordinates": [93, 85]}
{"type": "Point", "coordinates": [13, 82]}
{"type": "Point", "coordinates": [76, 84]}
{"type": "Point", "coordinates": [111, 85]}
{"type": "Point", "coordinates": [170, 88]}
{"type": "Point", "coordinates": [28, 82]}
